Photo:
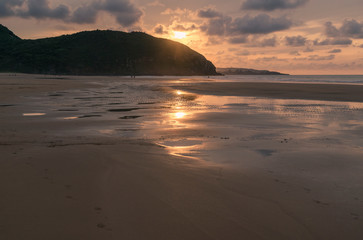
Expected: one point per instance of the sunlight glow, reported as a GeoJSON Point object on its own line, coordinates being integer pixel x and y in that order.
{"type": "Point", "coordinates": [180, 35]}
{"type": "Point", "coordinates": [179, 115]}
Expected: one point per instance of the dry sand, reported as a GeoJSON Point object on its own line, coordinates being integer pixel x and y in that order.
{"type": "Point", "coordinates": [56, 183]}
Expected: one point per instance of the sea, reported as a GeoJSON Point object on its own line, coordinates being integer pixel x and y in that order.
{"type": "Point", "coordinates": [341, 79]}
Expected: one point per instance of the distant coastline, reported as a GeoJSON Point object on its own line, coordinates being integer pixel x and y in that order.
{"type": "Point", "coordinates": [246, 71]}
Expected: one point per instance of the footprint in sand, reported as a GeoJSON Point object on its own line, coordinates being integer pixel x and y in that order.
{"type": "Point", "coordinates": [98, 210]}
{"type": "Point", "coordinates": [101, 225]}
{"type": "Point", "coordinates": [321, 203]}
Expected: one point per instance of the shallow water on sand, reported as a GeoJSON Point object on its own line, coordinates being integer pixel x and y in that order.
{"type": "Point", "coordinates": [220, 129]}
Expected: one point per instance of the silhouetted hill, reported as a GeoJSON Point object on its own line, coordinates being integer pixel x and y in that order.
{"type": "Point", "coordinates": [100, 53]}
{"type": "Point", "coordinates": [7, 35]}
{"type": "Point", "coordinates": [246, 71]}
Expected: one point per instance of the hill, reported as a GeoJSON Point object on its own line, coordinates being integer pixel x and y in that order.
{"type": "Point", "coordinates": [246, 71]}
{"type": "Point", "coordinates": [6, 35]}
{"type": "Point", "coordinates": [100, 53]}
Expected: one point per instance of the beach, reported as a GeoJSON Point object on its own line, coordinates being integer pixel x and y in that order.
{"type": "Point", "coordinates": [179, 158]}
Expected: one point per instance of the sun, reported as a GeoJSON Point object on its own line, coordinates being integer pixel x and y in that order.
{"type": "Point", "coordinates": [179, 35]}
{"type": "Point", "coordinates": [180, 114]}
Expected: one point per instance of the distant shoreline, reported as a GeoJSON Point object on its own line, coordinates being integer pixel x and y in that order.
{"type": "Point", "coordinates": [247, 71]}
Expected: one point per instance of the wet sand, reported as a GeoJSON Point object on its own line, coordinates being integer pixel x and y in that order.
{"type": "Point", "coordinates": [328, 92]}
{"type": "Point", "coordinates": [61, 180]}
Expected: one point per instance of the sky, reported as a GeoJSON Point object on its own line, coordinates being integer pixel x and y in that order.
{"type": "Point", "coordinates": [291, 36]}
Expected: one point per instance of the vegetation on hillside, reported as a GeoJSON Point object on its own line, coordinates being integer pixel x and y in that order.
{"type": "Point", "coordinates": [100, 53]}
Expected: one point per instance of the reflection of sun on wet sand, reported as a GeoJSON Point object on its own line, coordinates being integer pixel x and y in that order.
{"type": "Point", "coordinates": [146, 164]}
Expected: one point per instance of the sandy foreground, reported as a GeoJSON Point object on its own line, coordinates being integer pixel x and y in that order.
{"type": "Point", "coordinates": [58, 182]}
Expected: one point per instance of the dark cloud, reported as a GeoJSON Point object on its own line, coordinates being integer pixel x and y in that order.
{"type": "Point", "coordinates": [182, 28]}
{"type": "Point", "coordinates": [348, 29]}
{"type": "Point", "coordinates": [268, 42]}
{"type": "Point", "coordinates": [85, 14]}
{"type": "Point", "coordinates": [352, 28]}
{"type": "Point", "coordinates": [295, 41]}
{"type": "Point", "coordinates": [124, 11]}
{"type": "Point", "coordinates": [334, 41]}
{"type": "Point", "coordinates": [160, 29]}
{"type": "Point", "coordinates": [361, 46]}
{"type": "Point", "coordinates": [40, 9]}
{"type": "Point", "coordinates": [335, 51]}
{"type": "Point", "coordinates": [217, 26]}
{"type": "Point", "coordinates": [308, 49]}
{"type": "Point", "coordinates": [208, 13]}
{"type": "Point", "coordinates": [238, 40]}
{"type": "Point", "coordinates": [240, 29]}
{"type": "Point", "coordinates": [6, 7]}
{"type": "Point", "coordinates": [270, 5]}
{"type": "Point", "coordinates": [331, 30]}
{"type": "Point", "coordinates": [260, 24]}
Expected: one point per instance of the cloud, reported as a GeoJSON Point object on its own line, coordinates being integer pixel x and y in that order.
{"type": "Point", "coordinates": [160, 29]}
{"type": "Point", "coordinates": [260, 24]}
{"type": "Point", "coordinates": [7, 7]}
{"type": "Point", "coordinates": [124, 11]}
{"type": "Point", "coordinates": [208, 13]}
{"type": "Point", "coordinates": [361, 46]}
{"type": "Point", "coordinates": [217, 26]}
{"type": "Point", "coordinates": [238, 40]}
{"type": "Point", "coordinates": [239, 30]}
{"type": "Point", "coordinates": [243, 53]}
{"type": "Point", "coordinates": [156, 4]}
{"type": "Point", "coordinates": [352, 28]}
{"type": "Point", "coordinates": [85, 14]}
{"type": "Point", "coordinates": [182, 28]}
{"type": "Point", "coordinates": [295, 41]}
{"type": "Point", "coordinates": [334, 41]}
{"type": "Point", "coordinates": [335, 51]}
{"type": "Point", "coordinates": [266, 42]}
{"type": "Point", "coordinates": [331, 30]}
{"type": "Point", "coordinates": [178, 12]}
{"type": "Point", "coordinates": [270, 59]}
{"type": "Point", "coordinates": [40, 9]}
{"type": "Point", "coordinates": [270, 5]}
{"type": "Point", "coordinates": [349, 29]}
{"type": "Point", "coordinates": [321, 58]}
{"type": "Point", "coordinates": [308, 49]}
{"type": "Point", "coordinates": [295, 53]}
{"type": "Point", "coordinates": [316, 58]}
